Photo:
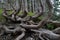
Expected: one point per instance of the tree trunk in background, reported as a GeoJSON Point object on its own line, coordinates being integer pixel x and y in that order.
{"type": "Point", "coordinates": [29, 5]}
{"type": "Point", "coordinates": [24, 26]}
{"type": "Point", "coordinates": [26, 5]}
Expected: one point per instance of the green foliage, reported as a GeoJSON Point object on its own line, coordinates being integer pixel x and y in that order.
{"type": "Point", "coordinates": [50, 26]}
{"type": "Point", "coordinates": [10, 12]}
{"type": "Point", "coordinates": [0, 11]}
{"type": "Point", "coordinates": [56, 14]}
{"type": "Point", "coordinates": [30, 13]}
{"type": "Point", "coordinates": [41, 17]}
{"type": "Point", "coordinates": [20, 13]}
{"type": "Point", "coordinates": [1, 17]}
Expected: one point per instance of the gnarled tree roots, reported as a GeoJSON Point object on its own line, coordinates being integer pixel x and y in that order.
{"type": "Point", "coordinates": [24, 27]}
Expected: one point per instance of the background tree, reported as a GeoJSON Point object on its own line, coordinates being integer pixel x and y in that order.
{"type": "Point", "coordinates": [56, 14]}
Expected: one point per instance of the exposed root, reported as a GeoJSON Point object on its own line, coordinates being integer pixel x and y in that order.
{"type": "Point", "coordinates": [20, 36]}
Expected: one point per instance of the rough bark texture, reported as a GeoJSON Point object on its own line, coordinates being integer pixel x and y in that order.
{"type": "Point", "coordinates": [24, 27]}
